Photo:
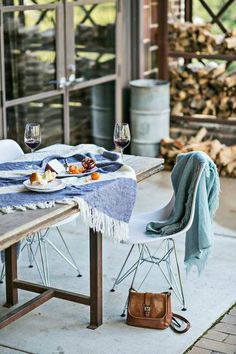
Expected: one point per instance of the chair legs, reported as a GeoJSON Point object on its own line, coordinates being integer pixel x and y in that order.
{"type": "Point", "coordinates": [37, 244]}
{"type": "Point", "coordinates": [2, 275]}
{"type": "Point", "coordinates": [141, 251]}
{"type": "Point", "coordinates": [118, 278]}
{"type": "Point", "coordinates": [168, 264]}
{"type": "Point", "coordinates": [70, 261]}
{"type": "Point", "coordinates": [174, 281]}
{"type": "Point", "coordinates": [175, 284]}
{"type": "Point", "coordinates": [42, 242]}
{"type": "Point", "coordinates": [30, 256]}
{"type": "Point", "coordinates": [179, 277]}
{"type": "Point", "coordinates": [43, 252]}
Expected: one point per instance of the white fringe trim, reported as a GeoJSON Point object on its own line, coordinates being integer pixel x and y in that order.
{"type": "Point", "coordinates": [116, 230]}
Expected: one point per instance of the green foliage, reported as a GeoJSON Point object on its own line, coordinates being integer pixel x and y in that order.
{"type": "Point", "coordinates": [228, 18]}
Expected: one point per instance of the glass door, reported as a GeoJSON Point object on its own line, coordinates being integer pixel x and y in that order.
{"type": "Point", "coordinates": [32, 67]}
{"type": "Point", "coordinates": [91, 70]}
{"type": "Point", "coordinates": [59, 68]}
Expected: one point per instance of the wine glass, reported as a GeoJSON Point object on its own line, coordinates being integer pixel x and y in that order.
{"type": "Point", "coordinates": [121, 137]}
{"type": "Point", "coordinates": [32, 137]}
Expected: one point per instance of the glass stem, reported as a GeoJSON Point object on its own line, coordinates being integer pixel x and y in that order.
{"type": "Point", "coordinates": [121, 155]}
{"type": "Point", "coordinates": [32, 158]}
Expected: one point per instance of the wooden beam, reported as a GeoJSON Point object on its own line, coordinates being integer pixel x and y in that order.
{"type": "Point", "coordinates": [58, 293]}
{"type": "Point", "coordinates": [188, 13]}
{"type": "Point", "coordinates": [212, 120]}
{"type": "Point", "coordinates": [25, 308]}
{"type": "Point", "coordinates": [137, 36]}
{"type": "Point", "coordinates": [96, 288]}
{"type": "Point", "coordinates": [31, 221]}
{"type": "Point", "coordinates": [11, 275]}
{"type": "Point", "coordinates": [189, 55]}
{"type": "Point", "coordinates": [162, 52]}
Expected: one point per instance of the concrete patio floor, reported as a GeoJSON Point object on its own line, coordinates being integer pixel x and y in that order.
{"type": "Point", "coordinates": [59, 327]}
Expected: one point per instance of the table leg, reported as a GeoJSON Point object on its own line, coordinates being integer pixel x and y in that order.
{"type": "Point", "coordinates": [11, 275]}
{"type": "Point", "coordinates": [95, 279]}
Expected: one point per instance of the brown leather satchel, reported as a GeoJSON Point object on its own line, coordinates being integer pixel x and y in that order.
{"type": "Point", "coordinates": [152, 310]}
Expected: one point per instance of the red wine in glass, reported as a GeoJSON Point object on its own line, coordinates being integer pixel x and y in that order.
{"type": "Point", "coordinates": [121, 143]}
{"type": "Point", "coordinates": [32, 137]}
{"type": "Point", "coordinates": [121, 137]}
{"type": "Point", "coordinates": [32, 143]}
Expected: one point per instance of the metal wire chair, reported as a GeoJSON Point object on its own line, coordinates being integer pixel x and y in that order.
{"type": "Point", "coordinates": [141, 241]}
{"type": "Point", "coordinates": [37, 243]}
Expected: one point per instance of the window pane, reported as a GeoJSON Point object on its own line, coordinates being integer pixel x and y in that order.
{"type": "Point", "coordinates": [30, 52]}
{"type": "Point", "coordinates": [154, 35]}
{"type": "Point", "coordinates": [92, 115]}
{"type": "Point", "coordinates": [153, 59]}
{"type": "Point", "coordinates": [47, 112]}
{"type": "Point", "coordinates": [28, 2]}
{"type": "Point", "coordinates": [154, 18]}
{"type": "Point", "coordinates": [94, 27]}
{"type": "Point", "coordinates": [147, 57]}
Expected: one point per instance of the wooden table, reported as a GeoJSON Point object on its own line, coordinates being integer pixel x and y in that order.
{"type": "Point", "coordinates": [15, 227]}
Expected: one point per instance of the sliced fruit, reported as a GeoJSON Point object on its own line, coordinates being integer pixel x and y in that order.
{"type": "Point", "coordinates": [73, 169]}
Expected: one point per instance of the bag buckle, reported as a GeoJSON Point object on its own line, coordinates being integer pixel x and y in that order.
{"type": "Point", "coordinates": [147, 310]}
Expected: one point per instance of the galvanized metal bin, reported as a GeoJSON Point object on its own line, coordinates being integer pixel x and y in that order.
{"type": "Point", "coordinates": [150, 115]}
{"type": "Point", "coordinates": [103, 114]}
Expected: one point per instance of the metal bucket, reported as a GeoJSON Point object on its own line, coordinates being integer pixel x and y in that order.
{"type": "Point", "coordinates": [150, 115]}
{"type": "Point", "coordinates": [103, 114]}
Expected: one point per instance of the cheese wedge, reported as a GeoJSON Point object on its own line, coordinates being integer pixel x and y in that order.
{"type": "Point", "coordinates": [55, 166]}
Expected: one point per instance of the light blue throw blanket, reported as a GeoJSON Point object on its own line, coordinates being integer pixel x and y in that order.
{"type": "Point", "coordinates": [199, 237]}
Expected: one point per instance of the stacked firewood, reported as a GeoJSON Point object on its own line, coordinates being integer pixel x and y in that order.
{"type": "Point", "coordinates": [189, 37]}
{"type": "Point", "coordinates": [199, 89]}
{"type": "Point", "coordinates": [224, 156]}
{"type": "Point", "coordinates": [198, 38]}
{"type": "Point", "coordinates": [228, 44]}
{"type": "Point", "coordinates": [95, 36]}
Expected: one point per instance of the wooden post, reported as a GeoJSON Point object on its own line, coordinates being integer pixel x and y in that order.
{"type": "Point", "coordinates": [162, 53]}
{"type": "Point", "coordinates": [188, 11]}
{"type": "Point", "coordinates": [188, 16]}
{"type": "Point", "coordinates": [11, 275]}
{"type": "Point", "coordinates": [95, 279]}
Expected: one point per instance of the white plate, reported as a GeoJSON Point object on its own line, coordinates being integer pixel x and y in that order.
{"type": "Point", "coordinates": [53, 186]}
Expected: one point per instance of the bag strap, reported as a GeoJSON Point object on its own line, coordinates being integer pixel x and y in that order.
{"type": "Point", "coordinates": [175, 324]}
